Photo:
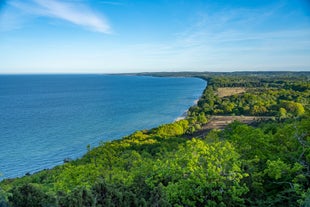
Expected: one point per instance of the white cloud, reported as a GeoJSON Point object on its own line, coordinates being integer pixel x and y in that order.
{"type": "Point", "coordinates": [231, 39]}
{"type": "Point", "coordinates": [75, 13]}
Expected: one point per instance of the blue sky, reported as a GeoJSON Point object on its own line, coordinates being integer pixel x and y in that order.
{"type": "Point", "coordinates": [112, 36]}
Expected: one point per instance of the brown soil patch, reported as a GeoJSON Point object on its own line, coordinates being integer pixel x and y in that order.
{"type": "Point", "coordinates": [220, 122]}
{"type": "Point", "coordinates": [229, 91]}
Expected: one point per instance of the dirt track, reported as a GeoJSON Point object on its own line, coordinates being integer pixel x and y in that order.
{"type": "Point", "coordinates": [220, 122]}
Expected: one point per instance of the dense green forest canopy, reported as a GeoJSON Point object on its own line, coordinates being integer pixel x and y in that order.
{"type": "Point", "coordinates": [266, 164]}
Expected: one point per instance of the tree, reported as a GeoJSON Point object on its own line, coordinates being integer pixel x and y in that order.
{"type": "Point", "coordinates": [170, 130]}
{"type": "Point", "coordinates": [202, 118]}
{"type": "Point", "coordinates": [282, 113]}
{"type": "Point", "coordinates": [79, 197]}
{"type": "Point", "coordinates": [158, 197]}
{"type": "Point", "coordinates": [109, 195]}
{"type": "Point", "coordinates": [3, 199]}
{"type": "Point", "coordinates": [198, 174]}
{"type": "Point", "coordinates": [30, 196]}
{"type": "Point", "coordinates": [296, 109]}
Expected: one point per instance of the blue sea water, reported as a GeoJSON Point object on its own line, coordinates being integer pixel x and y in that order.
{"type": "Point", "coordinates": [47, 118]}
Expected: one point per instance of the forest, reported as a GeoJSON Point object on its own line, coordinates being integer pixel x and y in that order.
{"type": "Point", "coordinates": [266, 163]}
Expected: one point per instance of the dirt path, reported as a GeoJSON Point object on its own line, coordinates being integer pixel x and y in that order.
{"type": "Point", "coordinates": [220, 122]}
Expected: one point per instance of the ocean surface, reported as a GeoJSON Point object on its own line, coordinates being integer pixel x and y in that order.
{"type": "Point", "coordinates": [47, 118]}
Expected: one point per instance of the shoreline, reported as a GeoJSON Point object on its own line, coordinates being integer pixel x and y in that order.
{"type": "Point", "coordinates": [60, 162]}
{"type": "Point", "coordinates": [185, 114]}
{"type": "Point", "coordinates": [182, 117]}
{"type": "Point", "coordinates": [151, 165]}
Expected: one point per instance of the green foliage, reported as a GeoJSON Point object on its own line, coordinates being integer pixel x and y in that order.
{"type": "Point", "coordinates": [263, 96]}
{"type": "Point", "coordinates": [282, 113]}
{"type": "Point", "coordinates": [276, 169]}
{"type": "Point", "coordinates": [158, 197]}
{"type": "Point", "coordinates": [79, 197]}
{"type": "Point", "coordinates": [202, 173]}
{"type": "Point", "coordinates": [3, 199]}
{"type": "Point", "coordinates": [296, 109]}
{"type": "Point", "coordinates": [171, 130]}
{"type": "Point", "coordinates": [275, 158]}
{"type": "Point", "coordinates": [73, 176]}
{"type": "Point", "coordinates": [29, 196]}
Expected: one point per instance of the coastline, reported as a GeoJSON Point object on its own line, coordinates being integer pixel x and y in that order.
{"type": "Point", "coordinates": [36, 169]}
{"type": "Point", "coordinates": [137, 164]}
{"type": "Point", "coordinates": [185, 114]}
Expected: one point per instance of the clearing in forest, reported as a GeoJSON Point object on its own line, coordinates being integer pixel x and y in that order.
{"type": "Point", "coordinates": [229, 91]}
{"type": "Point", "coordinates": [220, 122]}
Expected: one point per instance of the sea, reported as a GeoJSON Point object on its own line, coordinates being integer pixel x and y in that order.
{"type": "Point", "coordinates": [45, 119]}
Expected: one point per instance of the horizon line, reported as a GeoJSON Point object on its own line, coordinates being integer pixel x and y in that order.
{"type": "Point", "coordinates": [146, 72]}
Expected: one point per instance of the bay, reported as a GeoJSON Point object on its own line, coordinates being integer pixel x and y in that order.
{"type": "Point", "coordinates": [47, 118]}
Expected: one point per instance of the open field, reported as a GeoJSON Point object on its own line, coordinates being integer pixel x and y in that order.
{"type": "Point", "coordinates": [229, 91]}
{"type": "Point", "coordinates": [220, 122]}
